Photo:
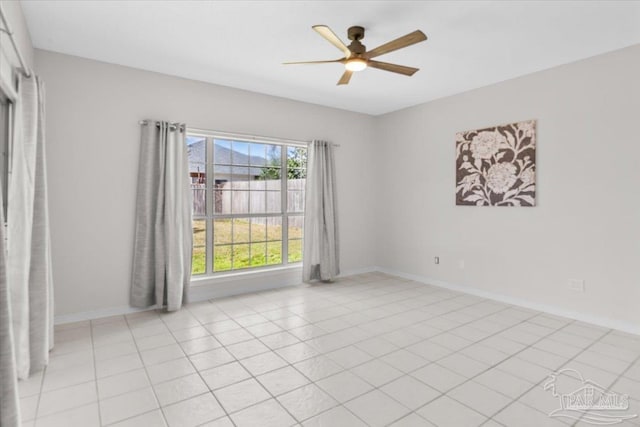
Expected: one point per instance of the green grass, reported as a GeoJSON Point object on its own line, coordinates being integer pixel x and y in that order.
{"type": "Point", "coordinates": [242, 253]}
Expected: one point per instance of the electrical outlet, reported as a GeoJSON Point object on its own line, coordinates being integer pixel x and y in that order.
{"type": "Point", "coordinates": [436, 260]}
{"type": "Point", "coordinates": [461, 264]}
{"type": "Point", "coordinates": [576, 285]}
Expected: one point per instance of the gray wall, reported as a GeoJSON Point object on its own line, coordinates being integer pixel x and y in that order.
{"type": "Point", "coordinates": [92, 117]}
{"type": "Point", "coordinates": [397, 181]}
{"type": "Point", "coordinates": [586, 225]}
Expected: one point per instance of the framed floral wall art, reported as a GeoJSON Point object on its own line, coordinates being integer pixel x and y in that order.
{"type": "Point", "coordinates": [496, 166]}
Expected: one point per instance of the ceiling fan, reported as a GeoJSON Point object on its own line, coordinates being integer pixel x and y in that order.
{"type": "Point", "coordinates": [356, 56]}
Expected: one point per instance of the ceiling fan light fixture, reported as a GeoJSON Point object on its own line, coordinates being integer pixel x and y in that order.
{"type": "Point", "coordinates": [355, 64]}
{"type": "Point", "coordinates": [357, 57]}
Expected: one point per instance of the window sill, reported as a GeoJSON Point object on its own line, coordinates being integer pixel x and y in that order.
{"type": "Point", "coordinates": [240, 275]}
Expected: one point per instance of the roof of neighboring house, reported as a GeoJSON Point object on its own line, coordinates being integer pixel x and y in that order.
{"type": "Point", "coordinates": [197, 160]}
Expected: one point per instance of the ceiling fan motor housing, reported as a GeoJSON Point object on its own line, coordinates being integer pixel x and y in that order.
{"type": "Point", "coordinates": [356, 34]}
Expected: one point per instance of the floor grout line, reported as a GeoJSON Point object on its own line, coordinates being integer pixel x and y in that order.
{"type": "Point", "coordinates": [95, 373]}
{"type": "Point", "coordinates": [146, 371]}
{"type": "Point", "coordinates": [394, 304]}
{"type": "Point", "coordinates": [236, 360]}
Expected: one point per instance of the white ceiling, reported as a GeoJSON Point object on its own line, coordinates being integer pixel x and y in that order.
{"type": "Point", "coordinates": [243, 43]}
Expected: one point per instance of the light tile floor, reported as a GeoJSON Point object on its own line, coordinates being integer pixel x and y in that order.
{"type": "Point", "coordinates": [370, 350]}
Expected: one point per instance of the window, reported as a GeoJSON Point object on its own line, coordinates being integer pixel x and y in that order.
{"type": "Point", "coordinates": [248, 203]}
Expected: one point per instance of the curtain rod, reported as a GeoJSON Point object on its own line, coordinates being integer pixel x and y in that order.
{"type": "Point", "coordinates": [172, 126]}
{"type": "Point", "coordinates": [251, 137]}
{"type": "Point", "coordinates": [7, 29]}
{"type": "Point", "coordinates": [238, 135]}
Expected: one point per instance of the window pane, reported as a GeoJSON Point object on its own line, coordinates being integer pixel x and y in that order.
{"type": "Point", "coordinates": [274, 202]}
{"type": "Point", "coordinates": [271, 173]}
{"type": "Point", "coordinates": [222, 231]}
{"type": "Point", "coordinates": [199, 196]}
{"type": "Point", "coordinates": [296, 226]}
{"type": "Point", "coordinates": [257, 184]}
{"type": "Point", "coordinates": [254, 173]}
{"type": "Point", "coordinates": [240, 256]}
{"type": "Point", "coordinates": [297, 174]}
{"type": "Point", "coordinates": [222, 258]}
{"type": "Point", "coordinates": [199, 233]}
{"type": "Point", "coordinates": [199, 261]}
{"type": "Point", "coordinates": [296, 157]}
{"type": "Point", "coordinates": [258, 254]}
{"type": "Point", "coordinates": [241, 230]}
{"type": "Point", "coordinates": [196, 152]}
{"type": "Point", "coordinates": [295, 201]}
{"type": "Point", "coordinates": [240, 178]}
{"type": "Point", "coordinates": [258, 202]}
{"type": "Point", "coordinates": [294, 180]}
{"type": "Point", "coordinates": [199, 257]}
{"type": "Point", "coordinates": [258, 229]}
{"type": "Point", "coordinates": [257, 154]}
{"type": "Point", "coordinates": [222, 201]}
{"type": "Point", "coordinates": [274, 155]}
{"type": "Point", "coordinates": [295, 250]}
{"type": "Point", "coordinates": [239, 153]}
{"type": "Point", "coordinates": [274, 184]}
{"type": "Point", "coordinates": [240, 202]}
{"type": "Point", "coordinates": [274, 253]}
{"type": "Point", "coordinates": [222, 176]}
{"type": "Point", "coordinates": [222, 151]}
{"type": "Point", "coordinates": [274, 228]}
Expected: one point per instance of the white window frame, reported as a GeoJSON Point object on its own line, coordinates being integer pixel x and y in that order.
{"type": "Point", "coordinates": [209, 216]}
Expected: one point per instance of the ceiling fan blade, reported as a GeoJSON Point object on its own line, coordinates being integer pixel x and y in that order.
{"type": "Point", "coordinates": [344, 80]}
{"type": "Point", "coordinates": [404, 41]}
{"type": "Point", "coordinates": [313, 62]}
{"type": "Point", "coordinates": [394, 68]}
{"type": "Point", "coordinates": [326, 32]}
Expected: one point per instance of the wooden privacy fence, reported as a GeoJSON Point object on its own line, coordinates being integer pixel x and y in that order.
{"type": "Point", "coordinates": [260, 196]}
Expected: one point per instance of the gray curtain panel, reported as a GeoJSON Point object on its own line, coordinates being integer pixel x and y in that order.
{"type": "Point", "coordinates": [9, 403]}
{"type": "Point", "coordinates": [28, 238]}
{"type": "Point", "coordinates": [321, 260]}
{"type": "Point", "coordinates": [163, 236]}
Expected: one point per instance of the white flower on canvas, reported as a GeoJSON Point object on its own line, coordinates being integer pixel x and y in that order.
{"type": "Point", "coordinates": [501, 177]}
{"type": "Point", "coordinates": [528, 176]}
{"type": "Point", "coordinates": [528, 128]}
{"type": "Point", "coordinates": [486, 144]}
{"type": "Point", "coordinates": [496, 166]}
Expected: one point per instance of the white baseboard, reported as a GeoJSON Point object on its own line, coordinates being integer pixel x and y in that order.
{"type": "Point", "coordinates": [202, 290]}
{"type": "Point", "coordinates": [236, 285]}
{"type": "Point", "coordinates": [606, 322]}
{"type": "Point", "coordinates": [61, 319]}
{"type": "Point", "coordinates": [362, 270]}
{"type": "Point", "coordinates": [218, 287]}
